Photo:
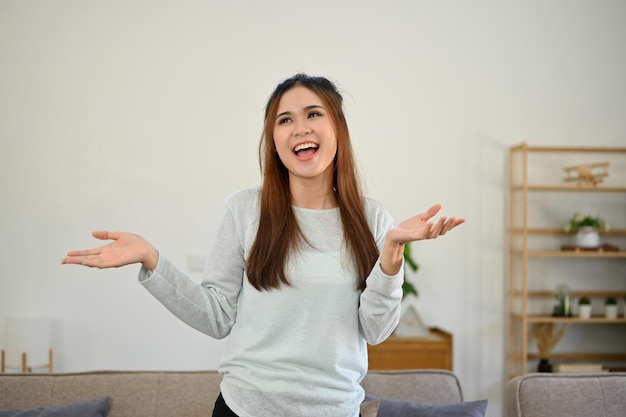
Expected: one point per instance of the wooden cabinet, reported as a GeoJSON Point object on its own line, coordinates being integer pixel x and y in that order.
{"type": "Point", "coordinates": [541, 201]}
{"type": "Point", "coordinates": [430, 352]}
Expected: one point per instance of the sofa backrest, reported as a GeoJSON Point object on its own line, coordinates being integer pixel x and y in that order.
{"type": "Point", "coordinates": [566, 395]}
{"type": "Point", "coordinates": [133, 393]}
{"type": "Point", "coordinates": [426, 386]}
{"type": "Point", "coordinates": [193, 393]}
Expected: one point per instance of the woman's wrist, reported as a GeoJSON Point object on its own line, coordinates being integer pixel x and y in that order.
{"type": "Point", "coordinates": [151, 259]}
{"type": "Point", "coordinates": [391, 258]}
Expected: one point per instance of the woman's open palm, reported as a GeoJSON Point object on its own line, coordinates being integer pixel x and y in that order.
{"type": "Point", "coordinates": [126, 249]}
{"type": "Point", "coordinates": [420, 227]}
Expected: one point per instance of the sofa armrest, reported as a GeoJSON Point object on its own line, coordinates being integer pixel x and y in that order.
{"type": "Point", "coordinates": [566, 395]}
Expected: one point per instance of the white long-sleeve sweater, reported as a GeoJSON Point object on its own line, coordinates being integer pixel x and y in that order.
{"type": "Point", "coordinates": [297, 350]}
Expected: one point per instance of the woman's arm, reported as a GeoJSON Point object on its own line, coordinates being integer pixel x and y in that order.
{"type": "Point", "coordinates": [379, 309]}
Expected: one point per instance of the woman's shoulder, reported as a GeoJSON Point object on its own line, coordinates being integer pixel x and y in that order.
{"type": "Point", "coordinates": [245, 193]}
{"type": "Point", "coordinates": [244, 198]}
{"type": "Point", "coordinates": [378, 217]}
{"type": "Point", "coordinates": [374, 208]}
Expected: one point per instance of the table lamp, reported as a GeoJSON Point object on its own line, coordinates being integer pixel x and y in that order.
{"type": "Point", "coordinates": [27, 343]}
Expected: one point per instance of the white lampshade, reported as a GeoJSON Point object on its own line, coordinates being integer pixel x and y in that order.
{"type": "Point", "coordinates": [27, 334]}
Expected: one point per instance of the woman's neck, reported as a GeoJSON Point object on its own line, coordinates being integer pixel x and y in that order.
{"type": "Point", "coordinates": [312, 195]}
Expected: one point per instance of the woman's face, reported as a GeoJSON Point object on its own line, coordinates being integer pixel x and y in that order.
{"type": "Point", "coordinates": [304, 136]}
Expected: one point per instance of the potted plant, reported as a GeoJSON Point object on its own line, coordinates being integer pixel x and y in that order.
{"type": "Point", "coordinates": [584, 307]}
{"type": "Point", "coordinates": [587, 229]}
{"type": "Point", "coordinates": [563, 307]}
{"type": "Point", "coordinates": [610, 308]}
{"type": "Point", "coordinates": [411, 323]}
{"type": "Point", "coordinates": [407, 286]}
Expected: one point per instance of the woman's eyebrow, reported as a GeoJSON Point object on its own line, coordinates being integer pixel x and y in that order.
{"type": "Point", "coordinates": [307, 108]}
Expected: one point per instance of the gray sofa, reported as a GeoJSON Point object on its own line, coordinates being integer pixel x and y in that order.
{"type": "Point", "coordinates": [566, 395]}
{"type": "Point", "coordinates": [192, 394]}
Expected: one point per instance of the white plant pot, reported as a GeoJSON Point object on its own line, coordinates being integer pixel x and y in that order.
{"type": "Point", "coordinates": [610, 311]}
{"type": "Point", "coordinates": [588, 237]}
{"type": "Point", "coordinates": [584, 311]}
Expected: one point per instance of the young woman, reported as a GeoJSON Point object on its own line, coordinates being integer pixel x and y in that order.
{"type": "Point", "coordinates": [304, 273]}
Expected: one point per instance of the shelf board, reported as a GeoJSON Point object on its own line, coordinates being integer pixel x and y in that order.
{"type": "Point", "coordinates": [552, 231]}
{"type": "Point", "coordinates": [567, 149]}
{"type": "Point", "coordinates": [581, 356]}
{"type": "Point", "coordinates": [536, 318]}
{"type": "Point", "coordinates": [572, 254]}
{"type": "Point", "coordinates": [593, 319]}
{"type": "Point", "coordinates": [573, 294]}
{"type": "Point", "coordinates": [575, 188]}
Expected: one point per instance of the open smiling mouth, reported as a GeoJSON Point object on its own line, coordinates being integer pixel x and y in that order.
{"type": "Point", "coordinates": [306, 149]}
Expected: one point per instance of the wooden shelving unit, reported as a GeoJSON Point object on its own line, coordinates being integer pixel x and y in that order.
{"type": "Point", "coordinates": [527, 235]}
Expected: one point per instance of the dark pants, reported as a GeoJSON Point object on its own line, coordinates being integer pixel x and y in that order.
{"type": "Point", "coordinates": [221, 409]}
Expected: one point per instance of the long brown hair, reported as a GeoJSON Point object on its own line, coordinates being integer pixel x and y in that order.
{"type": "Point", "coordinates": [278, 232]}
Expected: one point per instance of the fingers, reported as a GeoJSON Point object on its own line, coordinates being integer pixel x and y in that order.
{"type": "Point", "coordinates": [430, 213]}
{"type": "Point", "coordinates": [443, 226]}
{"type": "Point", "coordinates": [84, 257]}
{"type": "Point", "coordinates": [88, 252]}
{"type": "Point", "coordinates": [77, 260]}
{"type": "Point", "coordinates": [440, 227]}
{"type": "Point", "coordinates": [105, 235]}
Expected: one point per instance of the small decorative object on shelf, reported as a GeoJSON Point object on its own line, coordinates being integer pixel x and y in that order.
{"type": "Point", "coordinates": [587, 230]}
{"type": "Point", "coordinates": [547, 336]}
{"type": "Point", "coordinates": [610, 308]}
{"type": "Point", "coordinates": [587, 175]}
{"type": "Point", "coordinates": [564, 305]}
{"type": "Point", "coordinates": [584, 307]}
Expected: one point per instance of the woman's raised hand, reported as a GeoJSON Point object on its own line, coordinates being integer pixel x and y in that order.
{"type": "Point", "coordinates": [415, 228]}
{"type": "Point", "coordinates": [420, 227]}
{"type": "Point", "coordinates": [126, 249]}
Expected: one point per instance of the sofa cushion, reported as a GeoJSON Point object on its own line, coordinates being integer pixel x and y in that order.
{"type": "Point", "coordinates": [398, 408]}
{"type": "Point", "coordinates": [92, 408]}
{"type": "Point", "coordinates": [369, 408]}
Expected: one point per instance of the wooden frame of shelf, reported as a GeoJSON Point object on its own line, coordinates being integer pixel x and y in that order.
{"type": "Point", "coordinates": [520, 254]}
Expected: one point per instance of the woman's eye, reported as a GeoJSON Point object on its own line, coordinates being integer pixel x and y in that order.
{"type": "Point", "coordinates": [284, 120]}
{"type": "Point", "coordinates": [314, 114]}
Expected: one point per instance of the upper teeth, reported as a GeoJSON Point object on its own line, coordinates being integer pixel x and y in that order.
{"type": "Point", "coordinates": [305, 146]}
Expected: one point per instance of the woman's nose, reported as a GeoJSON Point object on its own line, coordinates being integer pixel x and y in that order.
{"type": "Point", "coordinates": [301, 128]}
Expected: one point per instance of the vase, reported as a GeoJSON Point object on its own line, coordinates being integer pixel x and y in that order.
{"type": "Point", "coordinates": [584, 311]}
{"type": "Point", "coordinates": [544, 365]}
{"type": "Point", "coordinates": [610, 311]}
{"type": "Point", "coordinates": [587, 237]}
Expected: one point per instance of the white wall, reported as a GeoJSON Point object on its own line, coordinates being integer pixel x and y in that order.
{"type": "Point", "coordinates": [144, 115]}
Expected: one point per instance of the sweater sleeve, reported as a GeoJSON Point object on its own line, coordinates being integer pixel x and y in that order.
{"type": "Point", "coordinates": [380, 302]}
{"type": "Point", "coordinates": [210, 306]}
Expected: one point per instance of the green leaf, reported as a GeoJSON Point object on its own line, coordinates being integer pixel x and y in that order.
{"type": "Point", "coordinates": [407, 286]}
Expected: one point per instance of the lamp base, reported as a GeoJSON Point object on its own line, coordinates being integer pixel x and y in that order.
{"type": "Point", "coordinates": [24, 365]}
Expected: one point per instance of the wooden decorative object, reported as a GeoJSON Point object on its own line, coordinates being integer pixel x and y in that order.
{"type": "Point", "coordinates": [547, 338]}
{"type": "Point", "coordinates": [587, 174]}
